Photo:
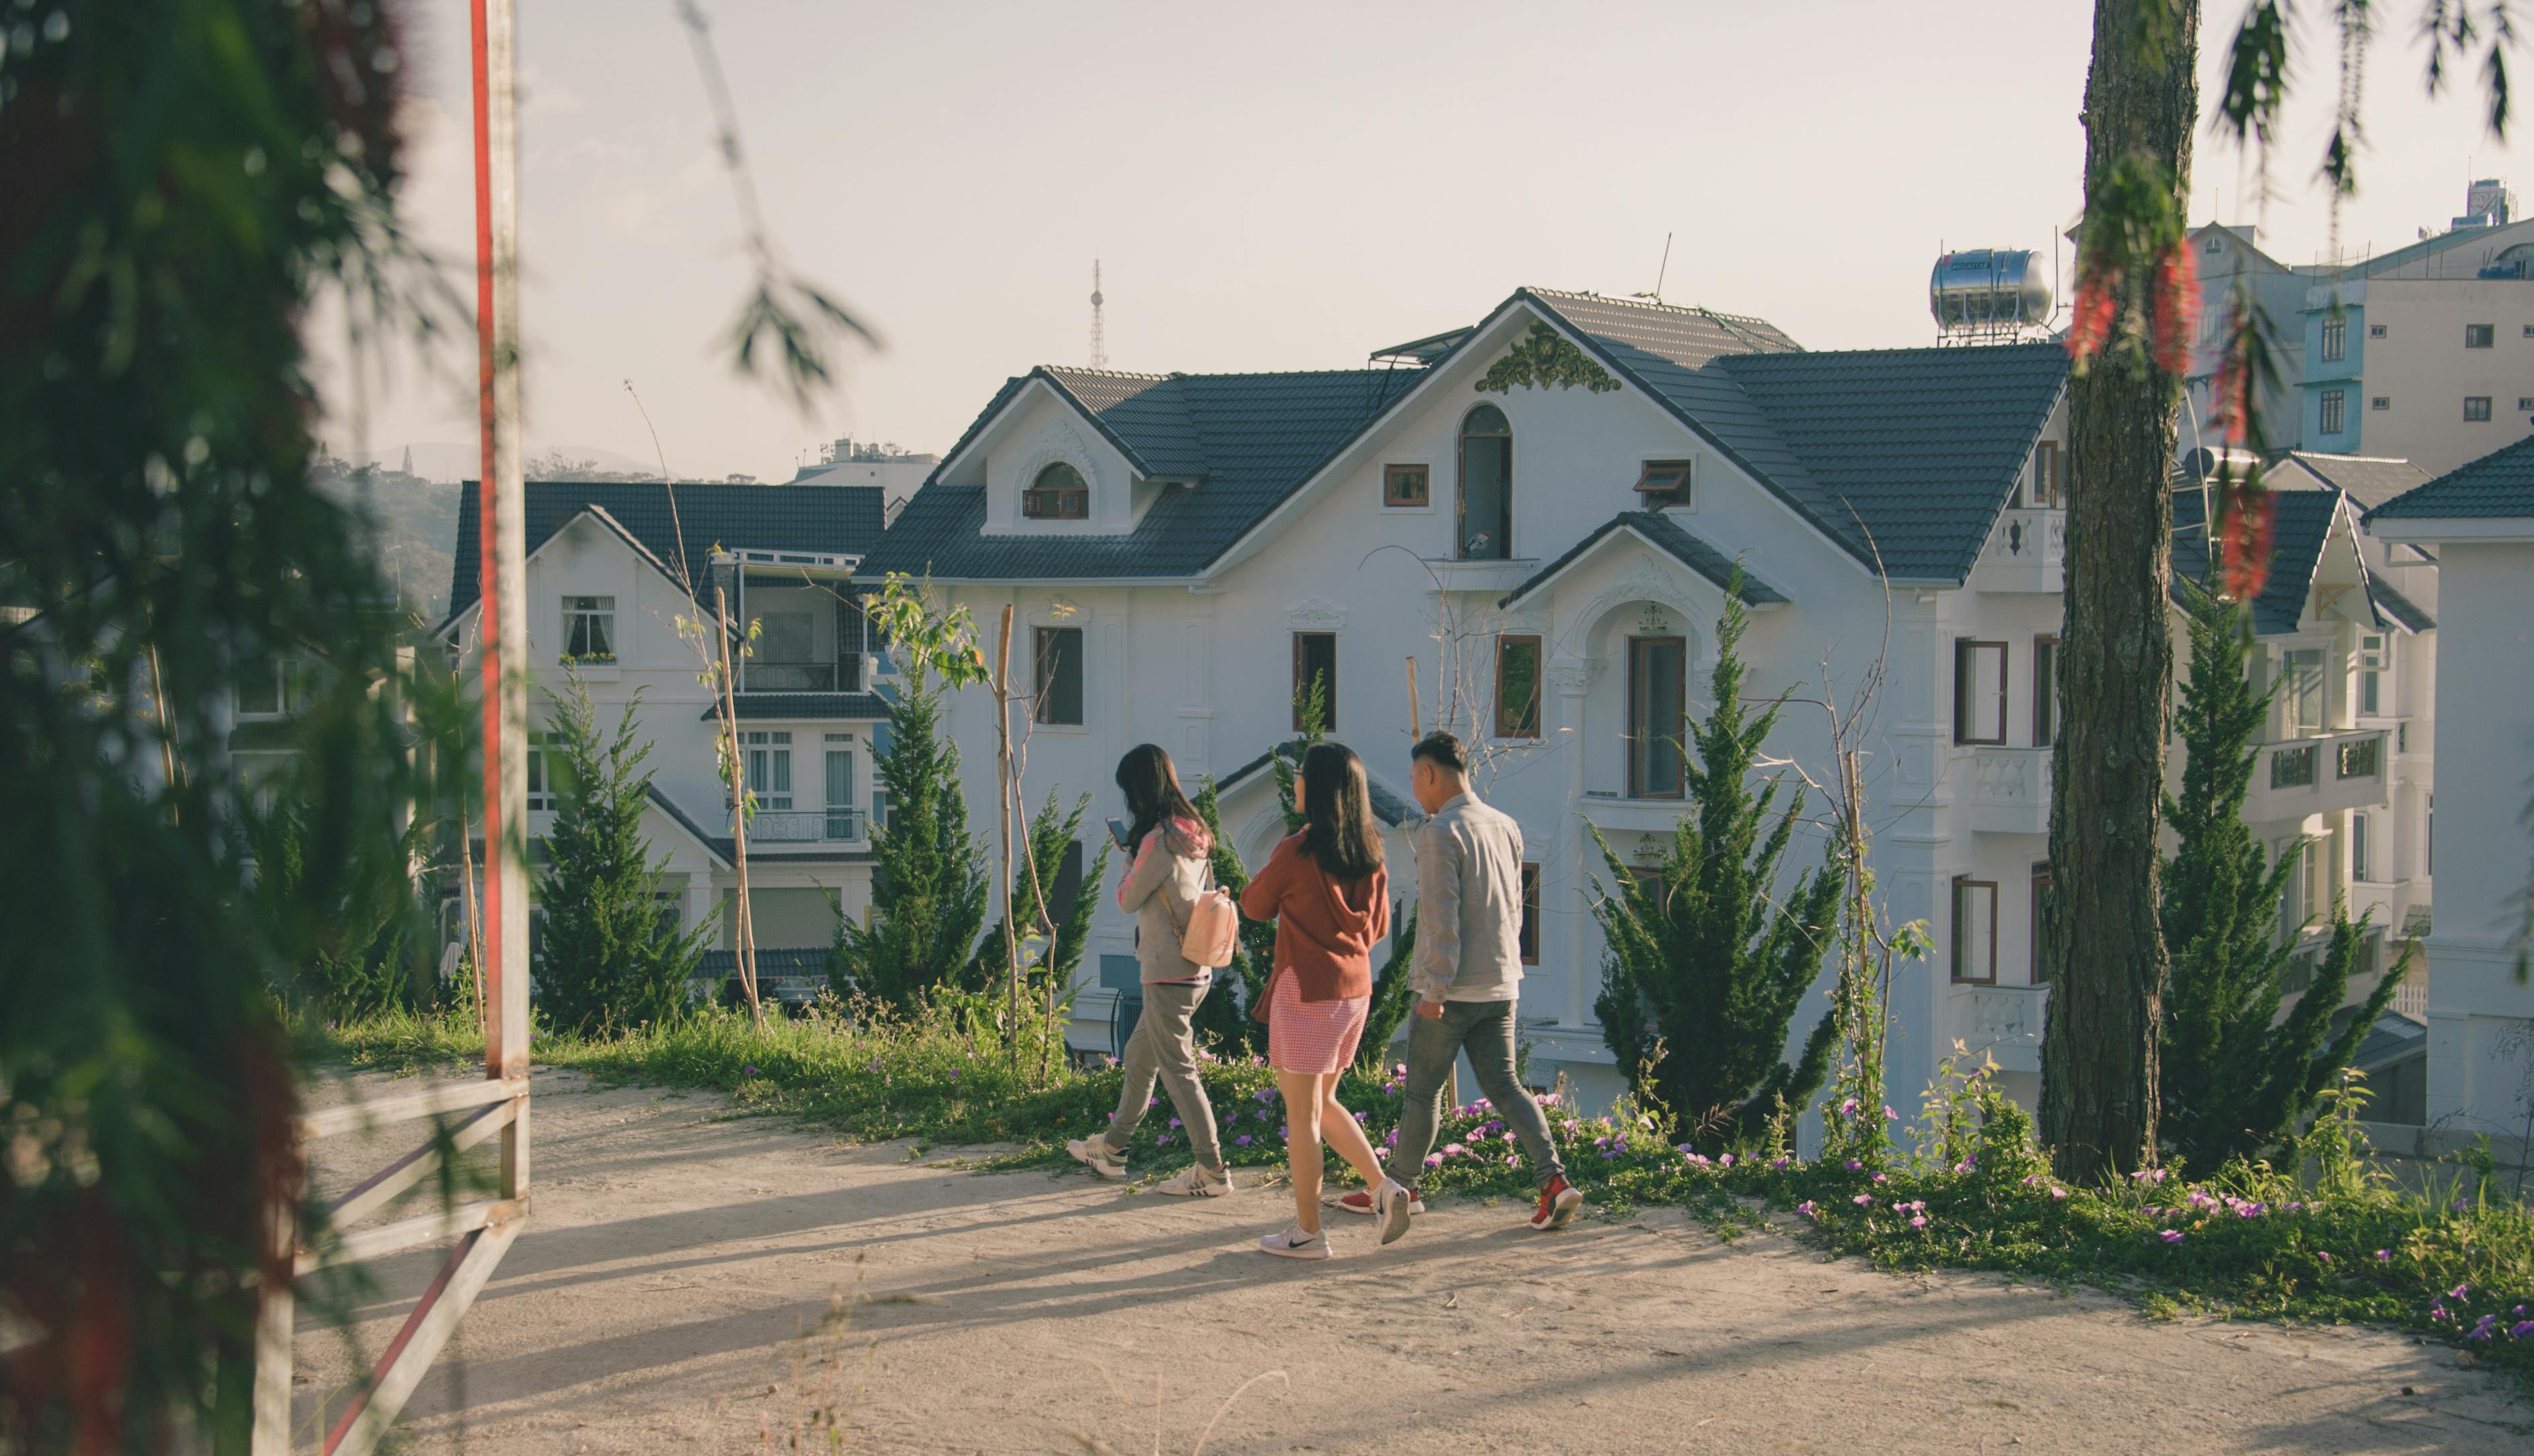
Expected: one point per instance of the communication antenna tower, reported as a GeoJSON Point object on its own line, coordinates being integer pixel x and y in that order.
{"type": "Point", "coordinates": [1099, 335]}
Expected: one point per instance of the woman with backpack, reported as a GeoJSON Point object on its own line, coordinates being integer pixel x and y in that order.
{"type": "Point", "coordinates": [1167, 886]}
{"type": "Point", "coordinates": [1329, 895]}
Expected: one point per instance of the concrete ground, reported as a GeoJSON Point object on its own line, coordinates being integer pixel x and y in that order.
{"type": "Point", "coordinates": [695, 1281]}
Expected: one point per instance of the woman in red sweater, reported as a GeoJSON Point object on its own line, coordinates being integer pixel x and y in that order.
{"type": "Point", "coordinates": [1329, 895]}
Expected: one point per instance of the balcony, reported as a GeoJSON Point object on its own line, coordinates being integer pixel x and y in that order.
{"type": "Point", "coordinates": [2010, 791]}
{"type": "Point", "coordinates": [2004, 1022]}
{"type": "Point", "coordinates": [2027, 552]}
{"type": "Point", "coordinates": [802, 677]}
{"type": "Point", "coordinates": [805, 826]}
{"type": "Point", "coordinates": [2319, 775]}
{"type": "Point", "coordinates": [1609, 809]}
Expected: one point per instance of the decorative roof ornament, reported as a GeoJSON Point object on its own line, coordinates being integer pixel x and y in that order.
{"type": "Point", "coordinates": [1544, 359]}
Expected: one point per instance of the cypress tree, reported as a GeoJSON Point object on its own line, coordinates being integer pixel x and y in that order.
{"type": "Point", "coordinates": [1049, 834]}
{"type": "Point", "coordinates": [606, 958]}
{"type": "Point", "coordinates": [1707, 965]}
{"type": "Point", "coordinates": [2236, 1077]}
{"type": "Point", "coordinates": [1221, 1017]}
{"type": "Point", "coordinates": [928, 875]}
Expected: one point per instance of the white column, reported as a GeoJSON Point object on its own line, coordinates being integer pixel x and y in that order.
{"type": "Point", "coordinates": [1571, 677]}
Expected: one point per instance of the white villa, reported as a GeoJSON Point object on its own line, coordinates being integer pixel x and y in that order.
{"type": "Point", "coordinates": [608, 573]}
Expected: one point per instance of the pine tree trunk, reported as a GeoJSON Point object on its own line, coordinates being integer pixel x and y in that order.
{"type": "Point", "coordinates": [2098, 1093]}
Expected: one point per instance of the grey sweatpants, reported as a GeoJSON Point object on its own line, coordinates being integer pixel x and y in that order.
{"type": "Point", "coordinates": [1164, 1047]}
{"type": "Point", "coordinates": [1485, 1029]}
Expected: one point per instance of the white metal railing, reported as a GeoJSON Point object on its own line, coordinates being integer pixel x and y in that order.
{"type": "Point", "coordinates": [2318, 775]}
{"type": "Point", "coordinates": [804, 826]}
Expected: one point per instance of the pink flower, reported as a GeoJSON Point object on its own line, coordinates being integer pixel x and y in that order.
{"type": "Point", "coordinates": [1864, 1200]}
{"type": "Point", "coordinates": [1806, 1209]}
{"type": "Point", "coordinates": [2170, 1235]}
{"type": "Point", "coordinates": [1918, 1221]}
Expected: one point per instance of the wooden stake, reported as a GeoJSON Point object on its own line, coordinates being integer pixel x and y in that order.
{"type": "Point", "coordinates": [729, 706]}
{"type": "Point", "coordinates": [1003, 812]}
{"type": "Point", "coordinates": [1415, 715]}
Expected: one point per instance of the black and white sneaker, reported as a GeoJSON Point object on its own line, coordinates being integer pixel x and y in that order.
{"type": "Point", "coordinates": [1094, 1153]}
{"type": "Point", "coordinates": [1293, 1244]}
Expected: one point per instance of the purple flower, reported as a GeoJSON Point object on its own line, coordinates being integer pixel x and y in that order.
{"type": "Point", "coordinates": [2384, 1255]}
{"type": "Point", "coordinates": [1889, 1115]}
{"type": "Point", "coordinates": [1882, 1177]}
{"type": "Point", "coordinates": [2457, 1292]}
{"type": "Point", "coordinates": [1806, 1209]}
{"type": "Point", "coordinates": [1453, 1150]}
{"type": "Point", "coordinates": [1917, 1221]}
{"type": "Point", "coordinates": [1174, 1122]}
{"type": "Point", "coordinates": [1726, 1160]}
{"type": "Point", "coordinates": [2327, 1258]}
{"type": "Point", "coordinates": [1242, 1141]}
{"type": "Point", "coordinates": [1161, 1140]}
{"type": "Point", "coordinates": [1779, 1161]}
{"type": "Point", "coordinates": [1864, 1200]}
{"type": "Point", "coordinates": [1433, 1159]}
{"type": "Point", "coordinates": [749, 1071]}
{"type": "Point", "coordinates": [1853, 1165]}
{"type": "Point", "coordinates": [2521, 1329]}
{"type": "Point", "coordinates": [1848, 1109]}
{"type": "Point", "coordinates": [2170, 1235]}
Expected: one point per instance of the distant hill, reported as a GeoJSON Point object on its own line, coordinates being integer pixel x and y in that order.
{"type": "Point", "coordinates": [414, 527]}
{"type": "Point", "coordinates": [450, 464]}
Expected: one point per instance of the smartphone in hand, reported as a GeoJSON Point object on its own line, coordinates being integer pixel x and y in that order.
{"type": "Point", "coordinates": [1118, 831]}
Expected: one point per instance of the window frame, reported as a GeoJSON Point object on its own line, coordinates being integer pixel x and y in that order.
{"type": "Point", "coordinates": [2358, 847]}
{"type": "Point", "coordinates": [766, 748]}
{"type": "Point", "coordinates": [1963, 647]}
{"type": "Point", "coordinates": [577, 620]}
{"type": "Point", "coordinates": [2048, 491]}
{"type": "Point", "coordinates": [1393, 473]}
{"type": "Point", "coordinates": [2484, 401]}
{"type": "Point", "coordinates": [2372, 664]}
{"type": "Point", "coordinates": [1962, 882]}
{"type": "Point", "coordinates": [1037, 490]}
{"type": "Point", "coordinates": [540, 777]}
{"type": "Point", "coordinates": [2332, 411]}
{"type": "Point", "coordinates": [1526, 938]}
{"type": "Point", "coordinates": [1639, 745]}
{"type": "Point", "coordinates": [1329, 701]}
{"type": "Point", "coordinates": [841, 820]}
{"type": "Point", "coordinates": [2045, 685]}
{"type": "Point", "coordinates": [2481, 336]}
{"type": "Point", "coordinates": [1461, 534]}
{"type": "Point", "coordinates": [1044, 685]}
{"type": "Point", "coordinates": [2380, 401]}
{"type": "Point", "coordinates": [2376, 330]}
{"type": "Point", "coordinates": [1678, 495]}
{"type": "Point", "coordinates": [2335, 344]}
{"type": "Point", "coordinates": [1527, 725]}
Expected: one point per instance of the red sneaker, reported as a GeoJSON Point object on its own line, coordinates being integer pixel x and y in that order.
{"type": "Point", "coordinates": [1557, 1204]}
{"type": "Point", "coordinates": [1361, 1201]}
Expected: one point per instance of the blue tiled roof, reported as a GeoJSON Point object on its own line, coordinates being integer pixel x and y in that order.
{"type": "Point", "coordinates": [810, 518]}
{"type": "Point", "coordinates": [2304, 525]}
{"type": "Point", "coordinates": [1910, 453]}
{"type": "Point", "coordinates": [2499, 484]}
{"type": "Point", "coordinates": [1389, 805]}
{"type": "Point", "coordinates": [1248, 440]}
{"type": "Point", "coordinates": [2410, 614]}
{"type": "Point", "coordinates": [1690, 550]}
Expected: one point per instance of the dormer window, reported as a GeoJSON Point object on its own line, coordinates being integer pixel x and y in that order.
{"type": "Point", "coordinates": [1664, 484]}
{"type": "Point", "coordinates": [1058, 494]}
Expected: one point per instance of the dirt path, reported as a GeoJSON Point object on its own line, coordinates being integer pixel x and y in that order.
{"type": "Point", "coordinates": [658, 1304]}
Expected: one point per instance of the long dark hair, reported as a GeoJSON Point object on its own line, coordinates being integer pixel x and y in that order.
{"type": "Point", "coordinates": [1151, 784]}
{"type": "Point", "coordinates": [1337, 829]}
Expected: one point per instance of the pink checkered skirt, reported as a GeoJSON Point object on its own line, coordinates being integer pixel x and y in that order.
{"type": "Point", "coordinates": [1313, 1036]}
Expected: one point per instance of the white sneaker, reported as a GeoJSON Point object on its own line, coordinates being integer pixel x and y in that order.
{"type": "Point", "coordinates": [1094, 1153]}
{"type": "Point", "coordinates": [1392, 1204]}
{"type": "Point", "coordinates": [1195, 1183]}
{"type": "Point", "coordinates": [1293, 1244]}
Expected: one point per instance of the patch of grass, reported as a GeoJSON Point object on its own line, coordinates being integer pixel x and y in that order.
{"type": "Point", "coordinates": [2324, 1241]}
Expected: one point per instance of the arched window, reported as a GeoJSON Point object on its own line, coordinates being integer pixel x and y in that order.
{"type": "Point", "coordinates": [1058, 494]}
{"type": "Point", "coordinates": [1487, 485]}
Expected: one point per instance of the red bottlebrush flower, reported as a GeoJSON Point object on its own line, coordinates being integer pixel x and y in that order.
{"type": "Point", "coordinates": [2252, 524]}
{"type": "Point", "coordinates": [2177, 308]}
{"type": "Point", "coordinates": [2089, 325]}
{"type": "Point", "coordinates": [2230, 393]}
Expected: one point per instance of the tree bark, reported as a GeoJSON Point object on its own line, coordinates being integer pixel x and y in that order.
{"type": "Point", "coordinates": [2099, 1087]}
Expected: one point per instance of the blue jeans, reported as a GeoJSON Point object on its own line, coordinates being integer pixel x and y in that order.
{"type": "Point", "coordinates": [1485, 1029]}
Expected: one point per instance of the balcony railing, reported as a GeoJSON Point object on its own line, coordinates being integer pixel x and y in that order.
{"type": "Point", "coordinates": [2319, 775]}
{"type": "Point", "coordinates": [2010, 791]}
{"type": "Point", "coordinates": [805, 826]}
{"type": "Point", "coordinates": [801, 677]}
{"type": "Point", "coordinates": [2028, 550]}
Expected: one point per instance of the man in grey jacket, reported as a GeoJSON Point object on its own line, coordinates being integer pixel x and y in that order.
{"type": "Point", "coordinates": [1468, 972]}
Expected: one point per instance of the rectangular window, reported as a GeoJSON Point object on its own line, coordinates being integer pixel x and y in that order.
{"type": "Point", "coordinates": [2310, 879]}
{"type": "Point", "coordinates": [2332, 404]}
{"type": "Point", "coordinates": [2476, 408]}
{"type": "Point", "coordinates": [2358, 849]}
{"type": "Point", "coordinates": [2478, 335]}
{"type": "Point", "coordinates": [1531, 915]}
{"type": "Point", "coordinates": [2300, 691]}
{"type": "Point", "coordinates": [1517, 687]}
{"type": "Point", "coordinates": [589, 628]}
{"type": "Point", "coordinates": [1058, 694]}
{"type": "Point", "coordinates": [2045, 691]}
{"type": "Point", "coordinates": [2045, 476]}
{"type": "Point", "coordinates": [2292, 769]}
{"type": "Point", "coordinates": [1664, 483]}
{"type": "Point", "coordinates": [769, 767]}
{"type": "Point", "coordinates": [1657, 717]}
{"type": "Point", "coordinates": [2336, 340]}
{"type": "Point", "coordinates": [1407, 485]}
{"type": "Point", "coordinates": [2524, 404]}
{"type": "Point", "coordinates": [1316, 682]}
{"type": "Point", "coordinates": [1975, 930]}
{"type": "Point", "coordinates": [541, 775]}
{"type": "Point", "coordinates": [841, 818]}
{"type": "Point", "coordinates": [1979, 692]}
{"type": "Point", "coordinates": [2380, 402]}
{"type": "Point", "coordinates": [2045, 960]}
{"type": "Point", "coordinates": [2372, 660]}
{"type": "Point", "coordinates": [2375, 330]}
{"type": "Point", "coordinates": [267, 687]}
{"type": "Point", "coordinates": [1649, 881]}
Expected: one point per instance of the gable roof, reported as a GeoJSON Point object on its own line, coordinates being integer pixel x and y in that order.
{"type": "Point", "coordinates": [2370, 480]}
{"type": "Point", "coordinates": [810, 518]}
{"type": "Point", "coordinates": [1249, 441]}
{"type": "Point", "coordinates": [2303, 526]}
{"type": "Point", "coordinates": [2406, 613]}
{"type": "Point", "coordinates": [2499, 484]}
{"type": "Point", "coordinates": [1668, 536]}
{"type": "Point", "coordinates": [1389, 805]}
{"type": "Point", "coordinates": [1908, 453]}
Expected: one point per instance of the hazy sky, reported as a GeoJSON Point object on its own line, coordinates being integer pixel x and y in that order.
{"type": "Point", "coordinates": [1277, 186]}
